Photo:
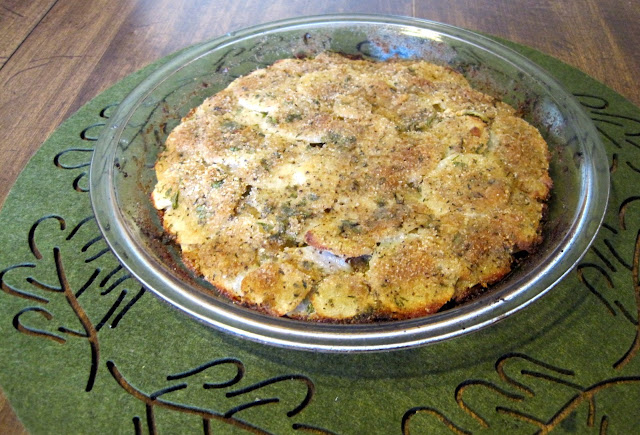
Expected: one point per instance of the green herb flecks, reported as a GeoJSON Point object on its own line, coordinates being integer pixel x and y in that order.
{"type": "Point", "coordinates": [291, 117]}
{"type": "Point", "coordinates": [265, 226]}
{"type": "Point", "coordinates": [339, 139]}
{"type": "Point", "coordinates": [230, 126]}
{"type": "Point", "coordinates": [477, 114]}
{"type": "Point", "coordinates": [348, 227]}
{"type": "Point", "coordinates": [202, 213]}
{"type": "Point", "coordinates": [175, 199]}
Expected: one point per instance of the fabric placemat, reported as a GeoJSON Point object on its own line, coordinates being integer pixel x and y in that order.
{"type": "Point", "coordinates": [85, 349]}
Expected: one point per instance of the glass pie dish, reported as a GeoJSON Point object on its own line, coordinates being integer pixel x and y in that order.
{"type": "Point", "coordinates": [122, 175]}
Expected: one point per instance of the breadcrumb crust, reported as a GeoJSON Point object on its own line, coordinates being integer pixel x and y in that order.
{"type": "Point", "coordinates": [339, 189]}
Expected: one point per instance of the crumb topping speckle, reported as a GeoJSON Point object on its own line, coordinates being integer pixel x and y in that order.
{"type": "Point", "coordinates": [334, 189]}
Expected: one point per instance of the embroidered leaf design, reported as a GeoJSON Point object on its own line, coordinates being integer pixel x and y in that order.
{"type": "Point", "coordinates": [529, 395]}
{"type": "Point", "coordinates": [45, 281]}
{"type": "Point", "coordinates": [610, 271]}
{"type": "Point", "coordinates": [272, 392]}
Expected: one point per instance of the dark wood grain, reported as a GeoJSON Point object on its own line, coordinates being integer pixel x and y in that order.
{"type": "Point", "coordinates": [56, 55]}
{"type": "Point", "coordinates": [9, 423]}
{"type": "Point", "coordinates": [17, 19]}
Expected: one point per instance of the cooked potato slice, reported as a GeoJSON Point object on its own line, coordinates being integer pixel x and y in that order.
{"type": "Point", "coordinates": [347, 190]}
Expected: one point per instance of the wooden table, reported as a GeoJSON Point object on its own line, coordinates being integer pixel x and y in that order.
{"type": "Point", "coordinates": [55, 55]}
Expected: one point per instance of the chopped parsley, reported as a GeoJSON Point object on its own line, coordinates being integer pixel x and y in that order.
{"type": "Point", "coordinates": [175, 198]}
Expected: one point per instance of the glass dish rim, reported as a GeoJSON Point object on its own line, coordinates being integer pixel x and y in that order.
{"type": "Point", "coordinates": [336, 337]}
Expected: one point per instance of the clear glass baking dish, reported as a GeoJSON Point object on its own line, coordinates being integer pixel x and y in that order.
{"type": "Point", "coordinates": [122, 175]}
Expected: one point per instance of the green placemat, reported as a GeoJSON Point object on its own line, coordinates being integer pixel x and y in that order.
{"type": "Point", "coordinates": [85, 349]}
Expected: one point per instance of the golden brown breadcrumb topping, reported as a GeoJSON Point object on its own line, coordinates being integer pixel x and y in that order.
{"type": "Point", "coordinates": [337, 189]}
